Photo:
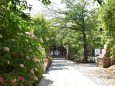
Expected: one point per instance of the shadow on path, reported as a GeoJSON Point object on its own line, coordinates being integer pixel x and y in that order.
{"type": "Point", "coordinates": [45, 82]}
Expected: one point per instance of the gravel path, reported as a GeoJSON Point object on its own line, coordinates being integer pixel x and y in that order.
{"type": "Point", "coordinates": [101, 76]}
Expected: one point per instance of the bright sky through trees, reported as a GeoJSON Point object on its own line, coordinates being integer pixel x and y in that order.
{"type": "Point", "coordinates": [39, 8]}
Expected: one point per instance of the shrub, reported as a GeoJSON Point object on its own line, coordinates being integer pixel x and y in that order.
{"type": "Point", "coordinates": [21, 54]}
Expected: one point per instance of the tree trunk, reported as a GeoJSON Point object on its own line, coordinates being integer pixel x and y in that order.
{"type": "Point", "coordinates": [84, 40]}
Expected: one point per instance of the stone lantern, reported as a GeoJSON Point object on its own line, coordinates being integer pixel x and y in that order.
{"type": "Point", "coordinates": [103, 60]}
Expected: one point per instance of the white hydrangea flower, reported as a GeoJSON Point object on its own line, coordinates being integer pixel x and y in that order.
{"type": "Point", "coordinates": [34, 37]}
{"type": "Point", "coordinates": [6, 49]}
{"type": "Point", "coordinates": [35, 78]}
{"type": "Point", "coordinates": [32, 71]}
{"type": "Point", "coordinates": [105, 46]}
{"type": "Point", "coordinates": [0, 36]}
{"type": "Point", "coordinates": [21, 65]}
{"type": "Point", "coordinates": [36, 69]}
{"type": "Point", "coordinates": [35, 59]}
{"type": "Point", "coordinates": [27, 57]}
{"type": "Point", "coordinates": [29, 33]}
{"type": "Point", "coordinates": [41, 40]}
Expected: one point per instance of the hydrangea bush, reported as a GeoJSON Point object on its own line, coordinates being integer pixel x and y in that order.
{"type": "Point", "coordinates": [21, 60]}
{"type": "Point", "coordinates": [21, 52]}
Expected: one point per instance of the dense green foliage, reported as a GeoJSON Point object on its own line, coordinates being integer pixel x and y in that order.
{"type": "Point", "coordinates": [21, 51]}
{"type": "Point", "coordinates": [107, 19]}
{"type": "Point", "coordinates": [97, 24]}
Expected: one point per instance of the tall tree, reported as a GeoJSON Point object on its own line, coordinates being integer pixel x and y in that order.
{"type": "Point", "coordinates": [107, 19]}
{"type": "Point", "coordinates": [76, 16]}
